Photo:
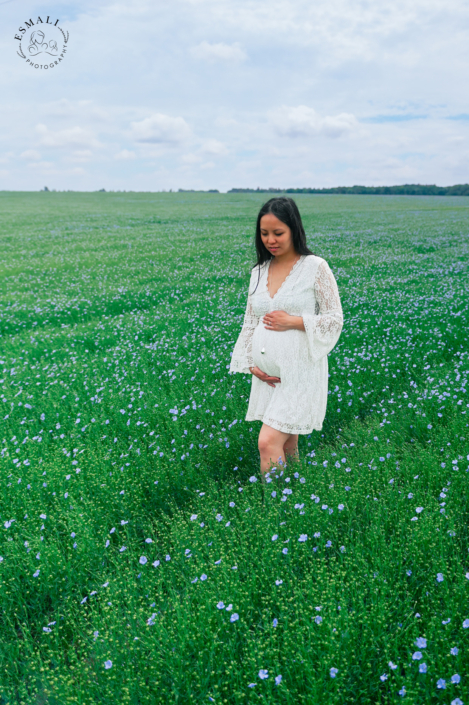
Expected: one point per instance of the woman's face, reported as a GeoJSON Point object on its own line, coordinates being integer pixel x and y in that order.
{"type": "Point", "coordinates": [275, 235]}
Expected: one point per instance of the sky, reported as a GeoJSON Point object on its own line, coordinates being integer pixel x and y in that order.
{"type": "Point", "coordinates": [217, 94]}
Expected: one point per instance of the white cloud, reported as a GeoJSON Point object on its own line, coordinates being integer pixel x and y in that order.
{"type": "Point", "coordinates": [159, 128]}
{"type": "Point", "coordinates": [76, 109]}
{"type": "Point", "coordinates": [303, 121]}
{"type": "Point", "coordinates": [191, 159]}
{"type": "Point", "coordinates": [219, 52]}
{"type": "Point", "coordinates": [73, 137]}
{"type": "Point", "coordinates": [31, 155]}
{"type": "Point", "coordinates": [214, 147]}
{"type": "Point", "coordinates": [125, 154]}
{"type": "Point", "coordinates": [81, 155]}
{"type": "Point", "coordinates": [45, 166]}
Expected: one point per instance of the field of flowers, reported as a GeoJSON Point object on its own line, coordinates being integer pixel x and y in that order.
{"type": "Point", "coordinates": [141, 559]}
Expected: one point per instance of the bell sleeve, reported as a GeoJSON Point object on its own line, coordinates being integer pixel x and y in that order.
{"type": "Point", "coordinates": [323, 328]}
{"type": "Point", "coordinates": [241, 359]}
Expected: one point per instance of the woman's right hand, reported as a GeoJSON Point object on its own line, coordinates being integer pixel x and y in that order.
{"type": "Point", "coordinates": [264, 377]}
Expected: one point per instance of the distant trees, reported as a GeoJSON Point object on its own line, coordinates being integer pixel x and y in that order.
{"type": "Point", "coordinates": [404, 190]}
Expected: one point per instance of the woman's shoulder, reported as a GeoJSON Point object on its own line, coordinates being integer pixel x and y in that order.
{"type": "Point", "coordinates": [314, 258]}
{"type": "Point", "coordinates": [313, 261]}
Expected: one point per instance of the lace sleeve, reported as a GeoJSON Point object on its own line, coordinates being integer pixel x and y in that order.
{"type": "Point", "coordinates": [241, 359]}
{"type": "Point", "coordinates": [323, 329]}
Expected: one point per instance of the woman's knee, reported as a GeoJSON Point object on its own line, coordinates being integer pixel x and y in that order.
{"type": "Point", "coordinates": [268, 443]}
{"type": "Point", "coordinates": [264, 444]}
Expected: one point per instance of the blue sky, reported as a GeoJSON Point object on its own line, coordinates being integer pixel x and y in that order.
{"type": "Point", "coordinates": [205, 94]}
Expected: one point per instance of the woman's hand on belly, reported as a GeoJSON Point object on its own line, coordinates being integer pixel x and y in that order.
{"type": "Point", "coordinates": [264, 377]}
{"type": "Point", "coordinates": [281, 320]}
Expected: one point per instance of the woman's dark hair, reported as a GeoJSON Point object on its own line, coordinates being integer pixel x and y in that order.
{"type": "Point", "coordinates": [286, 210]}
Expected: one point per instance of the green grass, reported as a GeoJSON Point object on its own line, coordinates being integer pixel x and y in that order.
{"type": "Point", "coordinates": [116, 309]}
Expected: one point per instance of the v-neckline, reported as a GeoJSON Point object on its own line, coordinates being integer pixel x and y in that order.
{"type": "Point", "coordinates": [282, 284]}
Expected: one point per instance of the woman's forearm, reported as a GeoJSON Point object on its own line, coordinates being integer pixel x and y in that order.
{"type": "Point", "coordinates": [297, 323]}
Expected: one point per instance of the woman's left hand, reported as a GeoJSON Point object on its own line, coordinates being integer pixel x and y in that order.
{"type": "Point", "coordinates": [279, 320]}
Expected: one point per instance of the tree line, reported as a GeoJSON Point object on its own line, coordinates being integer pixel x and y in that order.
{"type": "Point", "coordinates": [404, 190]}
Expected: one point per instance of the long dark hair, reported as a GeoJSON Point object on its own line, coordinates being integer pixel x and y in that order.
{"type": "Point", "coordinates": [286, 210]}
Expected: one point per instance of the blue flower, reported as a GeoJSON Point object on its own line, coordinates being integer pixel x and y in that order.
{"type": "Point", "coordinates": [278, 680]}
{"type": "Point", "coordinates": [333, 672]}
{"type": "Point", "coordinates": [421, 642]}
{"type": "Point", "coordinates": [263, 674]}
{"type": "Point", "coordinates": [441, 683]}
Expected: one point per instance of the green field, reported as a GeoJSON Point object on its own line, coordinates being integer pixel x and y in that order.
{"type": "Point", "coordinates": [140, 561]}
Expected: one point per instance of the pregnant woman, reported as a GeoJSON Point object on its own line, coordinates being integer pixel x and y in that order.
{"type": "Point", "coordinates": [293, 320]}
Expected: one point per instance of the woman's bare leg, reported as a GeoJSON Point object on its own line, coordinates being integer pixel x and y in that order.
{"type": "Point", "coordinates": [291, 447]}
{"type": "Point", "coordinates": [271, 447]}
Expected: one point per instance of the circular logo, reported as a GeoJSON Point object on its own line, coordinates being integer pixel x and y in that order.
{"type": "Point", "coordinates": [43, 44]}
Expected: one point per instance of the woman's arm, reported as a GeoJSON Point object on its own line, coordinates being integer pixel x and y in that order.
{"type": "Point", "coordinates": [281, 320]}
{"type": "Point", "coordinates": [324, 329]}
{"type": "Point", "coordinates": [241, 360]}
{"type": "Point", "coordinates": [297, 323]}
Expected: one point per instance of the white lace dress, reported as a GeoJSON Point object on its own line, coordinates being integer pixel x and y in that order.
{"type": "Point", "coordinates": [298, 403]}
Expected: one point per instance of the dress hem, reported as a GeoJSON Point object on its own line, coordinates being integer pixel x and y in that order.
{"type": "Point", "coordinates": [283, 427]}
